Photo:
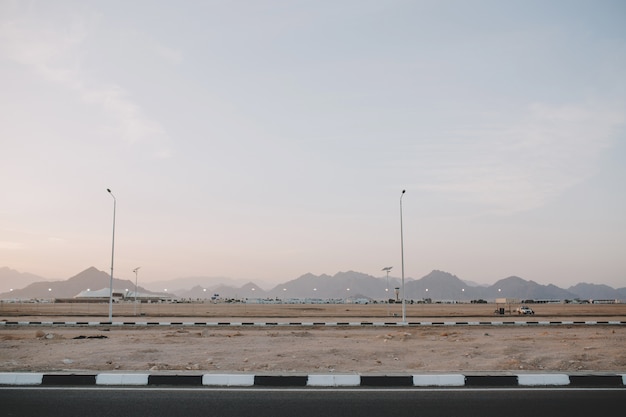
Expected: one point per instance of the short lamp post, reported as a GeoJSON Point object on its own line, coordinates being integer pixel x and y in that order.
{"type": "Point", "coordinates": [387, 269]}
{"type": "Point", "coordinates": [112, 256]}
{"type": "Point", "coordinates": [136, 271]}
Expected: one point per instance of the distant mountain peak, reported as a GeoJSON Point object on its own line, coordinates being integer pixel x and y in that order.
{"type": "Point", "coordinates": [437, 272]}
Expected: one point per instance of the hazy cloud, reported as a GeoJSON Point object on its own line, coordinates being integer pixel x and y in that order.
{"type": "Point", "coordinates": [170, 55]}
{"type": "Point", "coordinates": [5, 245]}
{"type": "Point", "coordinates": [47, 52]}
{"type": "Point", "coordinates": [56, 240]}
{"type": "Point", "coordinates": [520, 166]}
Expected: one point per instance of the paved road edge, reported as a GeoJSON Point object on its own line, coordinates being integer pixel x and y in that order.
{"type": "Point", "coordinates": [313, 380]}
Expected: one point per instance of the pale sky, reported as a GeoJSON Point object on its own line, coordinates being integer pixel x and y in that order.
{"type": "Point", "coordinates": [262, 140]}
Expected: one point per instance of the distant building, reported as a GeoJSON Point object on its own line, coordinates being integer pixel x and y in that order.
{"type": "Point", "coordinates": [96, 296]}
{"type": "Point", "coordinates": [604, 301]}
{"type": "Point", "coordinates": [102, 295]}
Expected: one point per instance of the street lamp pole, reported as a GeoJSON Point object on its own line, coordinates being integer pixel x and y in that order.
{"type": "Point", "coordinates": [387, 269]}
{"type": "Point", "coordinates": [112, 256]}
{"type": "Point", "coordinates": [402, 255]}
{"type": "Point", "coordinates": [135, 271]}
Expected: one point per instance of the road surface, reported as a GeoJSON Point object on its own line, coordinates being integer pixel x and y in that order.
{"type": "Point", "coordinates": [304, 402]}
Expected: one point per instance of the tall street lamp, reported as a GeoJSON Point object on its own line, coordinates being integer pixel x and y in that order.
{"type": "Point", "coordinates": [387, 269]}
{"type": "Point", "coordinates": [112, 255]}
{"type": "Point", "coordinates": [135, 271]}
{"type": "Point", "coordinates": [402, 255]}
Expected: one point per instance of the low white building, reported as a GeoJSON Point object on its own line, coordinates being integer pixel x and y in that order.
{"type": "Point", "coordinates": [102, 294]}
{"type": "Point", "coordinates": [126, 295]}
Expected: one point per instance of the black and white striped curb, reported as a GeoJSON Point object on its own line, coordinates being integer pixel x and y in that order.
{"type": "Point", "coordinates": [315, 380]}
{"type": "Point", "coordinates": [309, 324]}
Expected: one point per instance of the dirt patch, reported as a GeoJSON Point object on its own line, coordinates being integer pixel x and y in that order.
{"type": "Point", "coordinates": [361, 350]}
{"type": "Point", "coordinates": [313, 349]}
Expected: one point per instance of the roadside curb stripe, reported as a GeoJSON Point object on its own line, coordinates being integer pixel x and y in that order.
{"type": "Point", "coordinates": [19, 378]}
{"type": "Point", "coordinates": [68, 379]}
{"type": "Point", "coordinates": [596, 381]}
{"type": "Point", "coordinates": [311, 324]}
{"type": "Point", "coordinates": [491, 381]}
{"type": "Point", "coordinates": [280, 380]}
{"type": "Point", "coordinates": [333, 381]}
{"type": "Point", "coordinates": [122, 379]}
{"type": "Point", "coordinates": [313, 380]}
{"type": "Point", "coordinates": [228, 380]}
{"type": "Point", "coordinates": [542, 379]}
{"type": "Point", "coordinates": [439, 380]}
{"type": "Point", "coordinates": [386, 381]}
{"type": "Point", "coordinates": [165, 379]}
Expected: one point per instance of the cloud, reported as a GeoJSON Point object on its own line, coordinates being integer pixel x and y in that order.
{"type": "Point", "coordinates": [5, 245]}
{"type": "Point", "coordinates": [55, 56]}
{"type": "Point", "coordinates": [522, 165]}
{"type": "Point", "coordinates": [56, 240]}
{"type": "Point", "coordinates": [170, 55]}
{"type": "Point", "coordinates": [131, 124]}
{"type": "Point", "coordinates": [162, 154]}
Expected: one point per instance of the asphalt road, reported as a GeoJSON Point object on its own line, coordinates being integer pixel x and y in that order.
{"type": "Point", "coordinates": [155, 402]}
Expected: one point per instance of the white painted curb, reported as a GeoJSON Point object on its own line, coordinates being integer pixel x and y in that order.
{"type": "Point", "coordinates": [451, 380]}
{"type": "Point", "coordinates": [17, 378]}
{"type": "Point", "coordinates": [292, 324]}
{"type": "Point", "coordinates": [333, 381]}
{"type": "Point", "coordinates": [542, 379]}
{"type": "Point", "coordinates": [228, 380]}
{"type": "Point", "coordinates": [314, 380]}
{"type": "Point", "coordinates": [122, 379]}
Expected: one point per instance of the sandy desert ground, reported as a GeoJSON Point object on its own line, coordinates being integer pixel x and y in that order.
{"type": "Point", "coordinates": [318, 349]}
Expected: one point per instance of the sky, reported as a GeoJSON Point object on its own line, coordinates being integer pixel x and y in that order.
{"type": "Point", "coordinates": [262, 140]}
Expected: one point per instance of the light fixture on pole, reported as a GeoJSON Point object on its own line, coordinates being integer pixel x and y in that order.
{"type": "Point", "coordinates": [112, 256]}
{"type": "Point", "coordinates": [135, 271]}
{"type": "Point", "coordinates": [387, 269]}
{"type": "Point", "coordinates": [402, 255]}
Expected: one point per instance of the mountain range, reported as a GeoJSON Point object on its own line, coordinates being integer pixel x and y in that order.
{"type": "Point", "coordinates": [91, 278]}
{"type": "Point", "coordinates": [437, 285]}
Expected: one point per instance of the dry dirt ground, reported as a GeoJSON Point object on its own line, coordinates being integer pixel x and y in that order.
{"type": "Point", "coordinates": [318, 349]}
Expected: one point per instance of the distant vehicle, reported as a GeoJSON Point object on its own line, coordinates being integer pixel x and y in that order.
{"type": "Point", "coordinates": [525, 310]}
